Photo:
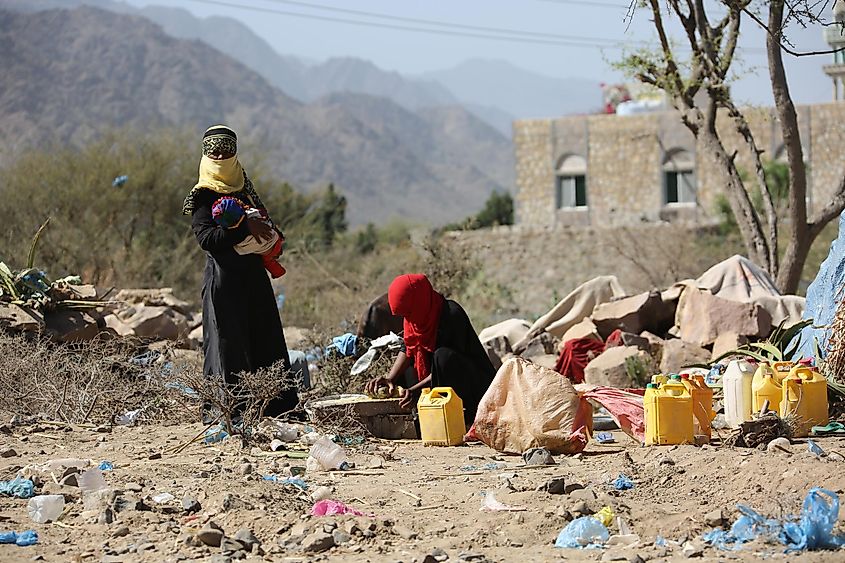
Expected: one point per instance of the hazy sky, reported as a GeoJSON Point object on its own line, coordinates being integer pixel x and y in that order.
{"type": "Point", "coordinates": [586, 22]}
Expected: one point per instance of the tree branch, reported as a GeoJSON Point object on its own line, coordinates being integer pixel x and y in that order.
{"type": "Point", "coordinates": [831, 211]}
{"type": "Point", "coordinates": [792, 52]}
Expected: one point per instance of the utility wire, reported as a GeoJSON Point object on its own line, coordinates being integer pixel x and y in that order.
{"type": "Point", "coordinates": [527, 36]}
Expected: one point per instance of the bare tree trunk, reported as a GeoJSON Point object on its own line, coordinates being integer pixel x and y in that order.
{"type": "Point", "coordinates": [801, 239]}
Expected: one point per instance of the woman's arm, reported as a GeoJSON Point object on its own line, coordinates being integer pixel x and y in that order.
{"type": "Point", "coordinates": [400, 365]}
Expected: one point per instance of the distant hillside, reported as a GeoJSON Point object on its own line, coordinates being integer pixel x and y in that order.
{"type": "Point", "coordinates": [519, 92]}
{"type": "Point", "coordinates": [69, 73]}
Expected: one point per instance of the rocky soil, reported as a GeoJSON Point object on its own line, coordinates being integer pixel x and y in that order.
{"type": "Point", "coordinates": [425, 501]}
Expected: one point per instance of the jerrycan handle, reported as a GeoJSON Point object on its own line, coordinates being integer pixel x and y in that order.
{"type": "Point", "coordinates": [441, 393]}
{"type": "Point", "coordinates": [803, 372]}
{"type": "Point", "coordinates": [782, 366]}
{"type": "Point", "coordinates": [793, 390]}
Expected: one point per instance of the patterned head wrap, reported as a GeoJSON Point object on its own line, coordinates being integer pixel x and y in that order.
{"type": "Point", "coordinates": [219, 139]}
{"type": "Point", "coordinates": [227, 212]}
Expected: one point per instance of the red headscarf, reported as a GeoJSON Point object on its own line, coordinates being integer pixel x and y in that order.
{"type": "Point", "coordinates": [412, 297]}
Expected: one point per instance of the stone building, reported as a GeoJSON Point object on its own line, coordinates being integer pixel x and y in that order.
{"type": "Point", "coordinates": [612, 170]}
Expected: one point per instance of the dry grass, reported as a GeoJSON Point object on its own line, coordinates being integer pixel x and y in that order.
{"type": "Point", "coordinates": [91, 382]}
{"type": "Point", "coordinates": [834, 360]}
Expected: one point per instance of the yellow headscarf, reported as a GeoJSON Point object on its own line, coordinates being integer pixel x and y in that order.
{"type": "Point", "coordinates": [221, 176]}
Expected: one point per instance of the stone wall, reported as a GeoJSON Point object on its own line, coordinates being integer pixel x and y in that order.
{"type": "Point", "coordinates": [625, 157]}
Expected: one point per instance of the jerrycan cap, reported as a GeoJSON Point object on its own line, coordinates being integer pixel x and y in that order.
{"type": "Point", "coordinates": [651, 386]}
{"type": "Point", "coordinates": [675, 377]}
{"type": "Point", "coordinates": [684, 376]}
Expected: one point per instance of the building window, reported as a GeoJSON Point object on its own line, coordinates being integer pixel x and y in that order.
{"type": "Point", "coordinates": [679, 182]}
{"type": "Point", "coordinates": [571, 182]}
{"type": "Point", "coordinates": [571, 191]}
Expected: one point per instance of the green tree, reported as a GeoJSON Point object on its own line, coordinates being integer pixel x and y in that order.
{"type": "Point", "coordinates": [498, 210]}
{"type": "Point", "coordinates": [366, 240]}
{"type": "Point", "coordinates": [329, 216]}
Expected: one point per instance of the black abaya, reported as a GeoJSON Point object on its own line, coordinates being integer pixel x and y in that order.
{"type": "Point", "coordinates": [242, 330]}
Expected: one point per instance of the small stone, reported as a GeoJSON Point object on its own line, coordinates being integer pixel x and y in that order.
{"type": "Point", "coordinates": [247, 537]}
{"type": "Point", "coordinates": [778, 445]}
{"type": "Point", "coordinates": [8, 452]}
{"type": "Point", "coordinates": [340, 537]}
{"type": "Point", "coordinates": [211, 534]}
{"type": "Point", "coordinates": [70, 480]}
{"type": "Point", "coordinates": [190, 504]}
{"type": "Point", "coordinates": [587, 495]}
{"type": "Point", "coordinates": [439, 554]}
{"type": "Point", "coordinates": [329, 527]}
{"type": "Point", "coordinates": [106, 516]}
{"type": "Point", "coordinates": [317, 542]}
{"type": "Point", "coordinates": [429, 559]}
{"type": "Point", "coordinates": [554, 486]}
{"type": "Point", "coordinates": [245, 469]}
{"type": "Point", "coordinates": [715, 518]}
{"type": "Point", "coordinates": [581, 509]}
{"type": "Point", "coordinates": [666, 460]}
{"type": "Point", "coordinates": [351, 527]}
{"type": "Point", "coordinates": [692, 549]}
{"type": "Point", "coordinates": [636, 559]}
{"type": "Point", "coordinates": [121, 532]}
{"type": "Point", "coordinates": [233, 502]}
{"type": "Point", "coordinates": [613, 556]}
{"type": "Point", "coordinates": [404, 533]}
{"type": "Point", "coordinates": [220, 558]}
{"type": "Point", "coordinates": [146, 546]}
{"type": "Point", "coordinates": [230, 545]}
{"type": "Point", "coordinates": [156, 455]}
{"type": "Point", "coordinates": [133, 487]}
{"type": "Point", "coordinates": [572, 487]}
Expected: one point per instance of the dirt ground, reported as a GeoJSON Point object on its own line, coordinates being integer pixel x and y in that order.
{"type": "Point", "coordinates": [426, 500]}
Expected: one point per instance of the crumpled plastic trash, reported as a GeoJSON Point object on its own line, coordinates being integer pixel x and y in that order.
{"type": "Point", "coordinates": [605, 516]}
{"type": "Point", "coordinates": [623, 483]}
{"type": "Point", "coordinates": [814, 529]}
{"type": "Point", "coordinates": [298, 483]}
{"type": "Point", "coordinates": [128, 418]}
{"type": "Point", "coordinates": [491, 504]}
{"type": "Point", "coordinates": [345, 344]}
{"type": "Point", "coordinates": [333, 508]}
{"type": "Point", "coordinates": [18, 487]}
{"type": "Point", "coordinates": [215, 434]}
{"type": "Point", "coordinates": [832, 428]}
{"type": "Point", "coordinates": [162, 498]}
{"type": "Point", "coordinates": [814, 448]}
{"type": "Point", "coordinates": [105, 466]}
{"type": "Point", "coordinates": [119, 181]}
{"type": "Point", "coordinates": [583, 533]}
{"type": "Point", "coordinates": [604, 438]}
{"type": "Point", "coordinates": [23, 539]}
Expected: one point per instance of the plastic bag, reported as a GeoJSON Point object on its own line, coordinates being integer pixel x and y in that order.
{"type": "Point", "coordinates": [583, 533]}
{"type": "Point", "coordinates": [23, 539]}
{"type": "Point", "coordinates": [623, 483]}
{"type": "Point", "coordinates": [814, 530]}
{"type": "Point", "coordinates": [333, 507]}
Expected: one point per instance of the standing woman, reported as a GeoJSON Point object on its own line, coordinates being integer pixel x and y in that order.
{"type": "Point", "coordinates": [242, 330]}
{"type": "Point", "coordinates": [441, 347]}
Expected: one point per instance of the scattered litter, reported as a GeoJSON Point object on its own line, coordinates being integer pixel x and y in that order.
{"type": "Point", "coordinates": [18, 487]}
{"type": "Point", "coordinates": [815, 448]}
{"type": "Point", "coordinates": [605, 516]}
{"type": "Point", "coordinates": [106, 466]}
{"type": "Point", "coordinates": [814, 530]}
{"type": "Point", "coordinates": [345, 344]}
{"type": "Point", "coordinates": [538, 456]}
{"type": "Point", "coordinates": [623, 483]}
{"type": "Point", "coordinates": [45, 508]}
{"type": "Point", "coordinates": [490, 504]}
{"type": "Point", "coordinates": [298, 483]}
{"type": "Point", "coordinates": [492, 466]}
{"type": "Point", "coordinates": [329, 455]}
{"type": "Point", "coordinates": [832, 428]}
{"type": "Point", "coordinates": [604, 438]}
{"type": "Point", "coordinates": [583, 533]}
{"type": "Point", "coordinates": [660, 541]}
{"type": "Point", "coordinates": [215, 434]}
{"type": "Point", "coordinates": [162, 498]}
{"type": "Point", "coordinates": [24, 539]}
{"type": "Point", "coordinates": [119, 181]}
{"type": "Point", "coordinates": [129, 418]}
{"type": "Point", "coordinates": [334, 508]}
{"type": "Point", "coordinates": [321, 493]}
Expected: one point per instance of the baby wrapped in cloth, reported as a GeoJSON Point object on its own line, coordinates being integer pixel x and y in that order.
{"type": "Point", "coordinates": [228, 212]}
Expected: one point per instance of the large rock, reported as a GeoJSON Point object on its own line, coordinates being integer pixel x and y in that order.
{"type": "Point", "coordinates": [614, 367]}
{"type": "Point", "coordinates": [678, 354]}
{"type": "Point", "coordinates": [156, 297]}
{"type": "Point", "coordinates": [64, 325]}
{"type": "Point", "coordinates": [584, 329]}
{"type": "Point", "coordinates": [20, 319]}
{"type": "Point", "coordinates": [497, 349]}
{"type": "Point", "coordinates": [824, 295]}
{"type": "Point", "coordinates": [702, 317]}
{"type": "Point", "coordinates": [726, 342]}
{"type": "Point", "coordinates": [156, 322]}
{"type": "Point", "coordinates": [512, 329]}
{"type": "Point", "coordinates": [541, 345]}
{"type": "Point", "coordinates": [646, 311]}
{"type": "Point", "coordinates": [113, 322]}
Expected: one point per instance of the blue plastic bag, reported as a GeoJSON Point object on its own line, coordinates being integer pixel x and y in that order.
{"type": "Point", "coordinates": [106, 466]}
{"type": "Point", "coordinates": [623, 483]}
{"type": "Point", "coordinates": [24, 539]}
{"type": "Point", "coordinates": [18, 487]}
{"type": "Point", "coordinates": [814, 530]}
{"type": "Point", "coordinates": [583, 533]}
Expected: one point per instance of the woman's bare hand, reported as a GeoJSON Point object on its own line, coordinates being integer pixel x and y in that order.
{"type": "Point", "coordinates": [259, 229]}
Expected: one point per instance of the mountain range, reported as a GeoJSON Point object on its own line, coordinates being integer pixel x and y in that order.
{"type": "Point", "coordinates": [68, 72]}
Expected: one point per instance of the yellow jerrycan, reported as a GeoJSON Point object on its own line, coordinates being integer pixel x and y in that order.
{"type": "Point", "coordinates": [766, 386]}
{"type": "Point", "coordinates": [702, 405]}
{"type": "Point", "coordinates": [659, 379]}
{"type": "Point", "coordinates": [441, 414]}
{"type": "Point", "coordinates": [670, 417]}
{"type": "Point", "coordinates": [805, 396]}
{"type": "Point", "coordinates": [781, 370]}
